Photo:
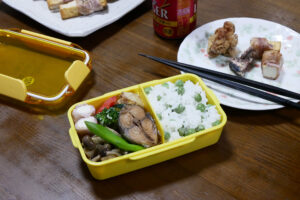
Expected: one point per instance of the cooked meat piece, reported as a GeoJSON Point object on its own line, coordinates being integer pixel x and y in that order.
{"type": "Point", "coordinates": [259, 45]}
{"type": "Point", "coordinates": [83, 111]}
{"type": "Point", "coordinates": [149, 127]}
{"type": "Point", "coordinates": [81, 127]}
{"type": "Point", "coordinates": [81, 7]}
{"type": "Point", "coordinates": [126, 119]}
{"type": "Point", "coordinates": [136, 135]}
{"type": "Point", "coordinates": [239, 66]}
{"type": "Point", "coordinates": [54, 4]}
{"type": "Point", "coordinates": [223, 42]}
{"type": "Point", "coordinates": [247, 54]}
{"type": "Point", "coordinates": [130, 98]}
{"type": "Point", "coordinates": [271, 64]}
{"type": "Point", "coordinates": [137, 126]}
{"type": "Point", "coordinates": [137, 112]}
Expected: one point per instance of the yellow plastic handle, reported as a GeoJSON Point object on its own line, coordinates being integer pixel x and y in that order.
{"type": "Point", "coordinates": [38, 35]}
{"type": "Point", "coordinates": [76, 73]}
{"type": "Point", "coordinates": [73, 137]}
{"type": "Point", "coordinates": [138, 157]}
{"type": "Point", "coordinates": [12, 87]}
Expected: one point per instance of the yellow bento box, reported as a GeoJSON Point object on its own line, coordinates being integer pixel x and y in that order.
{"type": "Point", "coordinates": [39, 69]}
{"type": "Point", "coordinates": [165, 151]}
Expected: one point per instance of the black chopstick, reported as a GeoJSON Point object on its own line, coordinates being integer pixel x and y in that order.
{"type": "Point", "coordinates": [230, 84]}
{"type": "Point", "coordinates": [238, 79]}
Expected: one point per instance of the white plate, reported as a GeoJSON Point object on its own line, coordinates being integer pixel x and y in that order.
{"type": "Point", "coordinates": [74, 27]}
{"type": "Point", "coordinates": [193, 51]}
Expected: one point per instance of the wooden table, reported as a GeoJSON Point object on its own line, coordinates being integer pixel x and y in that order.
{"type": "Point", "coordinates": [257, 157]}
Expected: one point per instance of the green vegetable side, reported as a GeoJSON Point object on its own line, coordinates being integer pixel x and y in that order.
{"type": "Point", "coordinates": [120, 125]}
{"type": "Point", "coordinates": [109, 117]}
{"type": "Point", "coordinates": [112, 138]}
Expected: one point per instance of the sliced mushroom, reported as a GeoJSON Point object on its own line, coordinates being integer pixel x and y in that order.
{"type": "Point", "coordinates": [100, 150]}
{"type": "Point", "coordinates": [96, 158]}
{"type": "Point", "coordinates": [89, 153]}
{"type": "Point", "coordinates": [113, 153]}
{"type": "Point", "coordinates": [116, 150]}
{"type": "Point", "coordinates": [137, 126]}
{"type": "Point", "coordinates": [108, 157]}
{"type": "Point", "coordinates": [107, 147]}
{"type": "Point", "coordinates": [97, 140]}
{"type": "Point", "coordinates": [88, 143]}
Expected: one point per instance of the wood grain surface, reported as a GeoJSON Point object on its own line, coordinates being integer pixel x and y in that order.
{"type": "Point", "coordinates": [257, 156]}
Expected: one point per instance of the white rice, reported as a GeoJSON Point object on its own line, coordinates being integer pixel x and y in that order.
{"type": "Point", "coordinates": [190, 117]}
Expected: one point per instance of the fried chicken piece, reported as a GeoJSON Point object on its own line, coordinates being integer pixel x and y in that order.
{"type": "Point", "coordinates": [223, 42]}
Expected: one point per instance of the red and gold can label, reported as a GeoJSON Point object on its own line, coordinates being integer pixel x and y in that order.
{"type": "Point", "coordinates": [174, 18]}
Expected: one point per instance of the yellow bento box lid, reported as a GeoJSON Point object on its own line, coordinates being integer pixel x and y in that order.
{"type": "Point", "coordinates": [39, 68]}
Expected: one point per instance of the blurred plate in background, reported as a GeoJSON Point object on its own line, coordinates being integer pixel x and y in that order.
{"type": "Point", "coordinates": [78, 26]}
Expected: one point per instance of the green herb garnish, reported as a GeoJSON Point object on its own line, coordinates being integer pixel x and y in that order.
{"type": "Point", "coordinates": [109, 117]}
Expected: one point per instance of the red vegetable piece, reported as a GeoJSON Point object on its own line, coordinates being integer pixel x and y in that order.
{"type": "Point", "coordinates": [108, 103]}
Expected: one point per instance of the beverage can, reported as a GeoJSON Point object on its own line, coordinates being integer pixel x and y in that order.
{"type": "Point", "coordinates": [174, 19]}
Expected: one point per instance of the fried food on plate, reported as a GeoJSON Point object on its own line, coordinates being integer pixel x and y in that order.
{"type": "Point", "coordinates": [223, 41]}
{"type": "Point", "coordinates": [54, 4]}
{"type": "Point", "coordinates": [259, 45]}
{"type": "Point", "coordinates": [81, 7]}
{"type": "Point", "coordinates": [271, 64]}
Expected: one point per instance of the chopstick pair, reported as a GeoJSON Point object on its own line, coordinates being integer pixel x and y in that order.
{"type": "Point", "coordinates": [235, 82]}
